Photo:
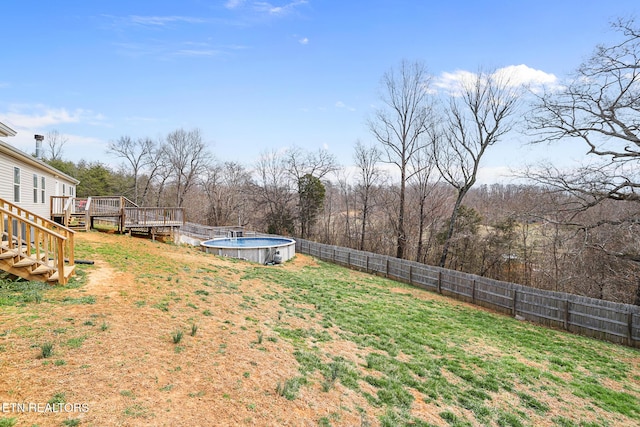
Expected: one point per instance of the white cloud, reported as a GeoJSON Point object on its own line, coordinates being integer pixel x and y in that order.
{"type": "Point", "coordinates": [269, 8]}
{"type": "Point", "coordinates": [160, 21]}
{"type": "Point", "coordinates": [39, 116]}
{"type": "Point", "coordinates": [515, 75]}
{"type": "Point", "coordinates": [168, 51]}
{"type": "Point", "coordinates": [28, 120]}
{"type": "Point", "coordinates": [303, 40]}
{"type": "Point", "coordinates": [76, 148]}
{"type": "Point", "coordinates": [233, 4]}
{"type": "Point", "coordinates": [451, 82]}
{"type": "Point", "coordinates": [342, 105]}
{"type": "Point", "coordinates": [524, 75]}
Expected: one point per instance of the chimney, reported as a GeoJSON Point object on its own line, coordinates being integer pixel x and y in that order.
{"type": "Point", "coordinates": [39, 139]}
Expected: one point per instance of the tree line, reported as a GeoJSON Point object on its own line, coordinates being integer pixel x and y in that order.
{"type": "Point", "coordinates": [565, 230]}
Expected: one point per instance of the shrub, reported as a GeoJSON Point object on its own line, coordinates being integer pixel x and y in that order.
{"type": "Point", "coordinates": [46, 350]}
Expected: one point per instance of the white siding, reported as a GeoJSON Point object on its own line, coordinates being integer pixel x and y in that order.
{"type": "Point", "coordinates": [7, 163]}
{"type": "Point", "coordinates": [6, 179]}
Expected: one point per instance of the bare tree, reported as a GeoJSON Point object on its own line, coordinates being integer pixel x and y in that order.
{"type": "Point", "coordinates": [478, 116]}
{"type": "Point", "coordinates": [307, 168]}
{"type": "Point", "coordinates": [316, 163]}
{"type": "Point", "coordinates": [424, 184]}
{"type": "Point", "coordinates": [138, 154]}
{"type": "Point", "coordinates": [225, 186]}
{"type": "Point", "coordinates": [163, 173]}
{"type": "Point", "coordinates": [346, 192]}
{"type": "Point", "coordinates": [328, 219]}
{"type": "Point", "coordinates": [600, 107]}
{"type": "Point", "coordinates": [369, 175]}
{"type": "Point", "coordinates": [273, 191]}
{"type": "Point", "coordinates": [55, 144]}
{"type": "Point", "coordinates": [400, 124]}
{"type": "Point", "coordinates": [188, 157]}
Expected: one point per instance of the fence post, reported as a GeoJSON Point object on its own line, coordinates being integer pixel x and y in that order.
{"type": "Point", "coordinates": [566, 314]}
{"type": "Point", "coordinates": [366, 268]}
{"type": "Point", "coordinates": [386, 271]}
{"type": "Point", "coordinates": [630, 327]}
{"type": "Point", "coordinates": [410, 275]}
{"type": "Point", "coordinates": [473, 291]}
{"type": "Point", "coordinates": [349, 258]}
{"type": "Point", "coordinates": [513, 306]}
{"type": "Point", "coordinates": [439, 282]}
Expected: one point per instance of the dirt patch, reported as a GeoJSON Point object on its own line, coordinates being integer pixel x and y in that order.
{"type": "Point", "coordinates": [115, 359]}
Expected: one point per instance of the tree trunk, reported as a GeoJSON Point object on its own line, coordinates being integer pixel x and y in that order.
{"type": "Point", "coordinates": [402, 238]}
{"type": "Point", "coordinates": [420, 232]}
{"type": "Point", "coordinates": [365, 211]}
{"type": "Point", "coordinates": [452, 224]}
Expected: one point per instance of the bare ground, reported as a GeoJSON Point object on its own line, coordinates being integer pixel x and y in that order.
{"type": "Point", "coordinates": [132, 374]}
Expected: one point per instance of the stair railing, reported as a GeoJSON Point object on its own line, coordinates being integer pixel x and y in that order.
{"type": "Point", "coordinates": [31, 239]}
{"type": "Point", "coordinates": [54, 227]}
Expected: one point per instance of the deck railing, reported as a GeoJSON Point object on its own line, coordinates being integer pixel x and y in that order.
{"type": "Point", "coordinates": [95, 206]}
{"type": "Point", "coordinates": [207, 232]}
{"type": "Point", "coordinates": [127, 213]}
{"type": "Point", "coordinates": [109, 206]}
{"type": "Point", "coordinates": [153, 216]}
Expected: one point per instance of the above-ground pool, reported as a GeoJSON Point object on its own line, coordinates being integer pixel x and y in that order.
{"type": "Point", "coordinates": [257, 249]}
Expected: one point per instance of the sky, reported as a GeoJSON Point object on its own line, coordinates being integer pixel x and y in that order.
{"type": "Point", "coordinates": [258, 76]}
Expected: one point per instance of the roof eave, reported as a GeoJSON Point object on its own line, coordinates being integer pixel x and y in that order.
{"type": "Point", "coordinates": [14, 152]}
{"type": "Point", "coordinates": [6, 130]}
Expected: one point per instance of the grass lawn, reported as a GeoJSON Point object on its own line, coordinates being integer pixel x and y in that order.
{"type": "Point", "coordinates": [156, 334]}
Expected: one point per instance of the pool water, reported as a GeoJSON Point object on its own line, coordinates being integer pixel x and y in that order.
{"type": "Point", "coordinates": [262, 250]}
{"type": "Point", "coordinates": [247, 242]}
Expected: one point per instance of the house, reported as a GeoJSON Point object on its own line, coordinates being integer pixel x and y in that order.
{"type": "Point", "coordinates": [31, 245]}
{"type": "Point", "coordinates": [29, 182]}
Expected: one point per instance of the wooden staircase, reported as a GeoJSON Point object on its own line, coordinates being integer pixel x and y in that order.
{"type": "Point", "coordinates": [72, 212]}
{"type": "Point", "coordinates": [33, 247]}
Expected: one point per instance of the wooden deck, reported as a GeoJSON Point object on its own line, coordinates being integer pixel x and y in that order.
{"type": "Point", "coordinates": [128, 217]}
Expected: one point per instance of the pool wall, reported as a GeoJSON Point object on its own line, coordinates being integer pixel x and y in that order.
{"type": "Point", "coordinates": [261, 253]}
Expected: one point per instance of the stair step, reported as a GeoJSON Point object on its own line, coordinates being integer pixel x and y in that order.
{"type": "Point", "coordinates": [25, 262]}
{"type": "Point", "coordinates": [43, 269]}
{"type": "Point", "coordinates": [68, 271]}
{"type": "Point", "coordinates": [8, 254]}
{"type": "Point", "coordinates": [15, 248]}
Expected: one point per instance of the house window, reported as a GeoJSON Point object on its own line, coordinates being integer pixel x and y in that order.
{"type": "Point", "coordinates": [42, 189]}
{"type": "Point", "coordinates": [64, 190]}
{"type": "Point", "coordinates": [35, 188]}
{"type": "Point", "coordinates": [16, 185]}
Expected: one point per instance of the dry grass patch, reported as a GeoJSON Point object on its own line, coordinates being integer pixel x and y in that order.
{"type": "Point", "coordinates": [304, 343]}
